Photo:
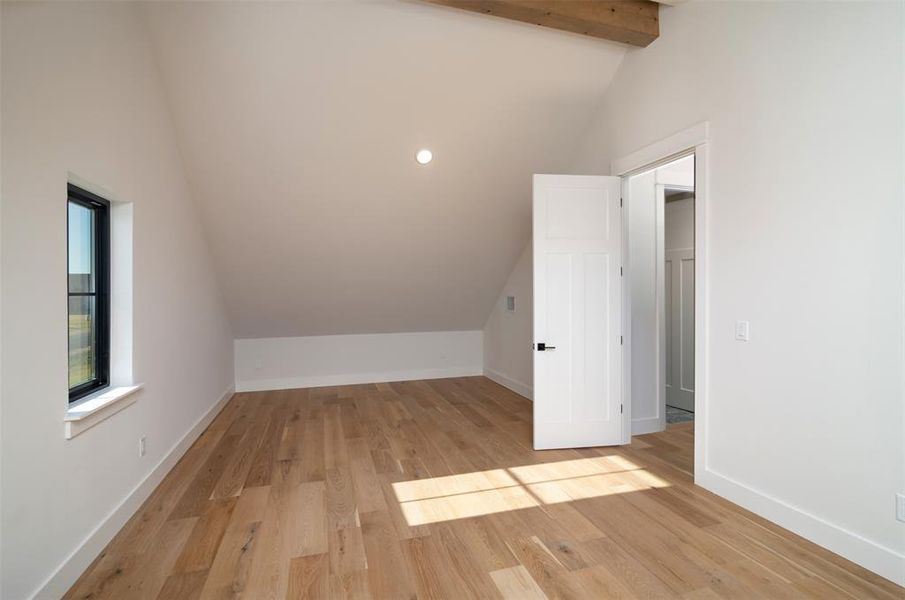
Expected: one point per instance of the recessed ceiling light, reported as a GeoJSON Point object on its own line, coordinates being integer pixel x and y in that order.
{"type": "Point", "coordinates": [424, 156]}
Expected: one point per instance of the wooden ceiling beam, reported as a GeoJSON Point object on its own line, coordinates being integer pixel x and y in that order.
{"type": "Point", "coordinates": [635, 22]}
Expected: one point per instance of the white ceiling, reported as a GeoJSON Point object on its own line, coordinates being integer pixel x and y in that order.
{"type": "Point", "coordinates": [299, 123]}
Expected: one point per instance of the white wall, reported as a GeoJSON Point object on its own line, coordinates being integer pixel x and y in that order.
{"type": "Point", "coordinates": [805, 240]}
{"type": "Point", "coordinates": [508, 340]}
{"type": "Point", "coordinates": [81, 95]}
{"type": "Point", "coordinates": [299, 362]}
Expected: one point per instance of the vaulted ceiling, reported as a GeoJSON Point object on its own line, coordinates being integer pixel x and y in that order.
{"type": "Point", "coordinates": [298, 124]}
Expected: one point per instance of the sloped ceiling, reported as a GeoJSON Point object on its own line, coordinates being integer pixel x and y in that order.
{"type": "Point", "coordinates": [299, 121]}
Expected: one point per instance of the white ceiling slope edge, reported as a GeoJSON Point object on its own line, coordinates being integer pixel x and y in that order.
{"type": "Point", "coordinates": [299, 122]}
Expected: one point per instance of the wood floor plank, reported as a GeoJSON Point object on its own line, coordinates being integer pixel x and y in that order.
{"type": "Point", "coordinates": [147, 577]}
{"type": "Point", "coordinates": [350, 586]}
{"type": "Point", "coordinates": [204, 541]}
{"type": "Point", "coordinates": [598, 582]}
{"type": "Point", "coordinates": [309, 578]}
{"type": "Point", "coordinates": [183, 586]}
{"type": "Point", "coordinates": [261, 468]}
{"type": "Point", "coordinates": [342, 508]}
{"type": "Point", "coordinates": [459, 561]}
{"type": "Point", "coordinates": [625, 569]}
{"type": "Point", "coordinates": [404, 529]}
{"type": "Point", "coordinates": [346, 551]}
{"type": "Point", "coordinates": [312, 453]}
{"type": "Point", "coordinates": [574, 525]}
{"type": "Point", "coordinates": [351, 419]}
{"type": "Point", "coordinates": [430, 565]}
{"type": "Point", "coordinates": [389, 573]}
{"type": "Point", "coordinates": [104, 574]}
{"type": "Point", "coordinates": [194, 501]}
{"type": "Point", "coordinates": [236, 469]}
{"type": "Point", "coordinates": [228, 574]}
{"type": "Point", "coordinates": [485, 544]}
{"type": "Point", "coordinates": [154, 573]}
{"type": "Point", "coordinates": [549, 573]}
{"type": "Point", "coordinates": [368, 493]}
{"type": "Point", "coordinates": [622, 525]}
{"type": "Point", "coordinates": [515, 583]}
{"type": "Point", "coordinates": [431, 489]}
{"type": "Point", "coordinates": [292, 435]}
{"type": "Point", "coordinates": [294, 526]}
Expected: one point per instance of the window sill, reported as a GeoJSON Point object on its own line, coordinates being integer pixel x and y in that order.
{"type": "Point", "coordinates": [92, 410]}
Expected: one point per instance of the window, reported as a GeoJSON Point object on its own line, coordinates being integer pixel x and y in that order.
{"type": "Point", "coordinates": [88, 293]}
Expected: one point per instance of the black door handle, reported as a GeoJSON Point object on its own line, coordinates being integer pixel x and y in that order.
{"type": "Point", "coordinates": [541, 346]}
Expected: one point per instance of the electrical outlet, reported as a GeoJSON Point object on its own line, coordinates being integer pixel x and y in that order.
{"type": "Point", "coordinates": [142, 446]}
{"type": "Point", "coordinates": [900, 507]}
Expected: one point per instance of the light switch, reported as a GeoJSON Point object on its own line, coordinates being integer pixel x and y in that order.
{"type": "Point", "coordinates": [742, 329]}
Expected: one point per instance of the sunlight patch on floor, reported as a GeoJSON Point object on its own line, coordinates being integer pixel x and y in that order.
{"type": "Point", "coordinates": [498, 490]}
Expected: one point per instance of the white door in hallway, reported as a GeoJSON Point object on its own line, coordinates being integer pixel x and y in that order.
{"type": "Point", "coordinates": [577, 311]}
{"type": "Point", "coordinates": [679, 280]}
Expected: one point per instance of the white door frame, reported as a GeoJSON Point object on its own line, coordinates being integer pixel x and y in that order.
{"type": "Point", "coordinates": [660, 224]}
{"type": "Point", "coordinates": [693, 140]}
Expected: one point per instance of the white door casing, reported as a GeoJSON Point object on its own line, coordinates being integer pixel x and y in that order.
{"type": "Point", "coordinates": [694, 139]}
{"type": "Point", "coordinates": [577, 310]}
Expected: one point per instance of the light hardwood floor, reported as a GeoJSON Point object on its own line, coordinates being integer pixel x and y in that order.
{"type": "Point", "coordinates": [430, 489]}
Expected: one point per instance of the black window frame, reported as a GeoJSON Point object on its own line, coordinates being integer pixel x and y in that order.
{"type": "Point", "coordinates": [101, 209]}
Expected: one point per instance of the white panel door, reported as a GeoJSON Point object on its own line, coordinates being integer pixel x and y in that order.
{"type": "Point", "coordinates": [577, 311]}
{"type": "Point", "coordinates": [680, 328]}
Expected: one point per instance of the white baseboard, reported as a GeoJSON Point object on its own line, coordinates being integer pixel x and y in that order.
{"type": "Point", "coordinates": [646, 425]}
{"type": "Point", "coordinates": [289, 383]}
{"type": "Point", "coordinates": [75, 564]}
{"type": "Point", "coordinates": [523, 389]}
{"type": "Point", "coordinates": [883, 561]}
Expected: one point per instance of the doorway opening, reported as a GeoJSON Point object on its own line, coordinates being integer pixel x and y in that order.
{"type": "Point", "coordinates": [678, 309]}
{"type": "Point", "coordinates": [664, 193]}
{"type": "Point", "coordinates": [659, 225]}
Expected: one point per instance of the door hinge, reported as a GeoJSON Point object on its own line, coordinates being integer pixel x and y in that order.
{"type": "Point", "coordinates": [620, 202]}
{"type": "Point", "coordinates": [620, 340]}
{"type": "Point", "coordinates": [620, 409]}
{"type": "Point", "coordinates": [620, 271]}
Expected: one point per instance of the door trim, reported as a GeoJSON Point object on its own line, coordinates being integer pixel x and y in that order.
{"type": "Point", "coordinates": [693, 140]}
